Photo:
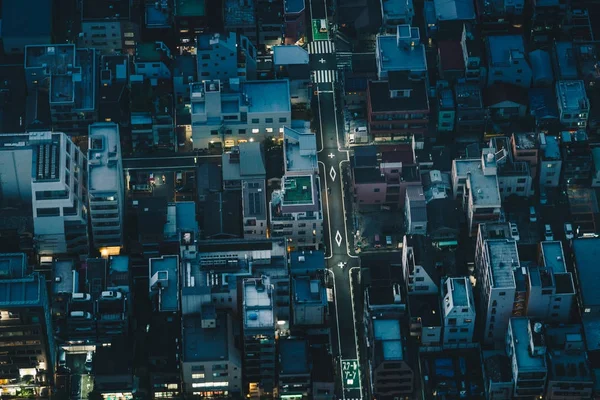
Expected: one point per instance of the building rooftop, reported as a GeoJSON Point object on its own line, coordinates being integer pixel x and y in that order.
{"type": "Point", "coordinates": [149, 52]}
{"type": "Point", "coordinates": [222, 215]}
{"type": "Point", "coordinates": [504, 257]}
{"type": "Point", "coordinates": [541, 66]}
{"type": "Point", "coordinates": [23, 292]}
{"type": "Point", "coordinates": [205, 344]}
{"type": "Point", "coordinates": [381, 101]}
{"type": "Point", "coordinates": [278, 99]}
{"type": "Point", "coordinates": [503, 48]}
{"type": "Point", "coordinates": [460, 292]}
{"type": "Point", "coordinates": [93, 10]}
{"type": "Point", "coordinates": [104, 155]}
{"type": "Point", "coordinates": [566, 60]}
{"type": "Point", "coordinates": [571, 95]}
{"type": "Point", "coordinates": [13, 265]}
{"type": "Point", "coordinates": [293, 357]}
{"type": "Point", "coordinates": [258, 305]}
{"type": "Point", "coordinates": [454, 10]}
{"type": "Point", "coordinates": [596, 158]}
{"type": "Point", "coordinates": [387, 333]}
{"type": "Point", "coordinates": [293, 6]}
{"type": "Point", "coordinates": [157, 17]}
{"type": "Point", "coordinates": [497, 366]}
{"type": "Point", "coordinates": [587, 252]}
{"type": "Point", "coordinates": [297, 190]}
{"type": "Point", "coordinates": [289, 55]}
{"type": "Point", "coordinates": [63, 277]}
{"type": "Point", "coordinates": [446, 100]}
{"type": "Point", "coordinates": [403, 57]}
{"type": "Point", "coordinates": [468, 96]}
{"type": "Point", "coordinates": [238, 14]}
{"type": "Point", "coordinates": [19, 21]}
{"type": "Point", "coordinates": [245, 161]}
{"type": "Point", "coordinates": [307, 262]}
{"type": "Point", "coordinates": [554, 256]}
{"type": "Point", "coordinates": [308, 290]}
{"type": "Point", "coordinates": [164, 279]}
{"type": "Point", "coordinates": [396, 9]}
{"type": "Point", "coordinates": [426, 307]}
{"type": "Point", "coordinates": [190, 8]}
{"type": "Point", "coordinates": [552, 150]}
{"type": "Point", "coordinates": [484, 188]}
{"type": "Point", "coordinates": [450, 55]}
{"type": "Point", "coordinates": [542, 103]}
{"type": "Point", "coordinates": [300, 150]}
{"type": "Point", "coordinates": [526, 141]}
{"type": "Point", "coordinates": [521, 341]}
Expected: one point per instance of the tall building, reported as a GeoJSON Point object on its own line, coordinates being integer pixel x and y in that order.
{"type": "Point", "coordinates": [495, 263]}
{"type": "Point", "coordinates": [106, 188]}
{"type": "Point", "coordinates": [47, 171]}
{"type": "Point", "coordinates": [225, 56]}
{"type": "Point", "coordinates": [26, 334]}
{"type": "Point", "coordinates": [459, 311]}
{"type": "Point", "coordinates": [258, 337]}
{"type": "Point", "coordinates": [526, 347]}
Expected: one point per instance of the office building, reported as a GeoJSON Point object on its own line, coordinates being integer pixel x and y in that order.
{"type": "Point", "coordinates": [113, 93]}
{"type": "Point", "coordinates": [514, 177]}
{"type": "Point", "coordinates": [418, 266]}
{"type": "Point", "coordinates": [475, 185]}
{"type": "Point", "coordinates": [526, 348]}
{"type": "Point", "coordinates": [69, 76]}
{"type": "Point", "coordinates": [28, 348]}
{"type": "Point", "coordinates": [577, 159]}
{"type": "Point", "coordinates": [573, 104]}
{"type": "Point", "coordinates": [223, 57]}
{"type": "Point", "coordinates": [507, 61]}
{"type": "Point", "coordinates": [166, 360]}
{"type": "Point", "coordinates": [294, 368]}
{"type": "Point", "coordinates": [294, 15]}
{"type": "Point", "coordinates": [550, 161]}
{"type": "Point", "coordinates": [164, 284]}
{"type": "Point", "coordinates": [240, 16]}
{"type": "Point", "coordinates": [459, 311]}
{"type": "Point", "coordinates": [152, 60]}
{"type": "Point", "coordinates": [226, 115]}
{"type": "Point", "coordinates": [108, 28]}
{"type": "Point", "coordinates": [401, 52]}
{"type": "Point", "coordinates": [495, 261]}
{"type": "Point", "coordinates": [470, 113]}
{"type": "Point", "coordinates": [415, 211]}
{"type": "Point", "coordinates": [106, 187]}
{"type": "Point", "coordinates": [258, 332]}
{"type": "Point", "coordinates": [309, 306]}
{"type": "Point", "coordinates": [46, 171]}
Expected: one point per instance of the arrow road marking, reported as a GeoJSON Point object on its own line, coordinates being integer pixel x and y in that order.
{"type": "Point", "coordinates": [338, 238]}
{"type": "Point", "coordinates": [332, 174]}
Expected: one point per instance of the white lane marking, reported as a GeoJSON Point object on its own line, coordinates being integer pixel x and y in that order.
{"type": "Point", "coordinates": [338, 238]}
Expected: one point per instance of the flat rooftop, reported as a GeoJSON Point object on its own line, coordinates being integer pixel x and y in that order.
{"type": "Point", "coordinates": [394, 58]}
{"type": "Point", "coordinates": [468, 96]}
{"type": "Point", "coordinates": [104, 155]}
{"type": "Point", "coordinates": [587, 254]}
{"type": "Point", "coordinates": [387, 331]}
{"type": "Point", "coordinates": [190, 8]}
{"type": "Point", "coordinates": [12, 265]}
{"type": "Point", "coordinates": [22, 292]}
{"type": "Point", "coordinates": [205, 344]}
{"type": "Point", "coordinates": [460, 295]}
{"type": "Point", "coordinates": [293, 357]}
{"type": "Point", "coordinates": [381, 101]}
{"type": "Point", "coordinates": [56, 57]}
{"type": "Point", "coordinates": [572, 95]}
{"type": "Point", "coordinates": [297, 190]}
{"type": "Point", "coordinates": [525, 361]}
{"type": "Point", "coordinates": [504, 257]}
{"type": "Point", "coordinates": [278, 99]}
{"type": "Point", "coordinates": [484, 188]}
{"type": "Point", "coordinates": [454, 10]}
{"type": "Point", "coordinates": [308, 290]}
{"type": "Point", "coordinates": [258, 305]}
{"type": "Point", "coordinates": [307, 262]}
{"type": "Point", "coordinates": [148, 52]}
{"type": "Point", "coordinates": [236, 15]}
{"type": "Point", "coordinates": [167, 268]}
{"type": "Point", "coordinates": [63, 269]}
{"type": "Point", "coordinates": [300, 150]}
{"type": "Point", "coordinates": [293, 6]}
{"type": "Point", "coordinates": [567, 60]}
{"type": "Point", "coordinates": [552, 150]}
{"type": "Point", "coordinates": [289, 55]}
{"type": "Point", "coordinates": [395, 9]}
{"type": "Point", "coordinates": [554, 256]}
{"type": "Point", "coordinates": [503, 47]}
{"type": "Point", "coordinates": [526, 141]}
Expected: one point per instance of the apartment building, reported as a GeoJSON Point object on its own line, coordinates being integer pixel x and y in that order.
{"type": "Point", "coordinates": [240, 16]}
{"type": "Point", "coordinates": [258, 332]}
{"type": "Point", "coordinates": [47, 171]}
{"type": "Point", "coordinates": [495, 261]}
{"type": "Point", "coordinates": [573, 104]}
{"type": "Point", "coordinates": [390, 373]}
{"type": "Point", "coordinates": [525, 147]}
{"type": "Point", "coordinates": [106, 187]}
{"type": "Point", "coordinates": [415, 211]}
{"type": "Point", "coordinates": [152, 114]}
{"type": "Point", "coordinates": [165, 355]}
{"type": "Point", "coordinates": [550, 161]}
{"type": "Point", "coordinates": [471, 52]}
{"type": "Point", "coordinates": [211, 364]}
{"type": "Point", "coordinates": [526, 347]}
{"type": "Point", "coordinates": [69, 76]}
{"type": "Point", "coordinates": [294, 16]}
{"type": "Point", "coordinates": [309, 304]}
{"type": "Point", "coordinates": [244, 171]}
{"type": "Point", "coordinates": [238, 112]}
{"type": "Point", "coordinates": [459, 311]}
{"type": "Point", "coordinates": [384, 301]}
{"type": "Point", "coordinates": [401, 52]}
{"type": "Point", "coordinates": [446, 110]}
{"type": "Point", "coordinates": [223, 57]}
{"type": "Point", "coordinates": [564, 60]}
{"type": "Point", "coordinates": [164, 284]}
{"type": "Point", "coordinates": [108, 29]}
{"type": "Point", "coordinates": [418, 266]}
{"type": "Point", "coordinates": [576, 157]}
{"type": "Point", "coordinates": [514, 177]}
{"type": "Point", "coordinates": [26, 329]}
{"type": "Point", "coordinates": [585, 254]}
{"type": "Point", "coordinates": [113, 99]}
{"type": "Point", "coordinates": [291, 62]}
{"type": "Point", "coordinates": [152, 60]}
{"type": "Point", "coordinates": [294, 377]}
{"type": "Point", "coordinates": [470, 113]}
{"type": "Point", "coordinates": [507, 61]}
{"type": "Point", "coordinates": [396, 12]}
{"type": "Point", "coordinates": [475, 184]}
{"type": "Point", "coordinates": [299, 151]}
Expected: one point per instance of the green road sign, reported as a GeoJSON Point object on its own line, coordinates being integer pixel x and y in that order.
{"type": "Point", "coordinates": [316, 29]}
{"type": "Point", "coordinates": [350, 374]}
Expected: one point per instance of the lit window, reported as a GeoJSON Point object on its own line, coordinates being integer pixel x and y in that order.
{"type": "Point", "coordinates": [588, 310]}
{"type": "Point", "coordinates": [197, 376]}
{"type": "Point", "coordinates": [172, 386]}
{"type": "Point", "coordinates": [280, 130]}
{"type": "Point", "coordinates": [255, 130]}
{"type": "Point", "coordinates": [269, 130]}
{"type": "Point", "coordinates": [129, 43]}
{"type": "Point", "coordinates": [128, 34]}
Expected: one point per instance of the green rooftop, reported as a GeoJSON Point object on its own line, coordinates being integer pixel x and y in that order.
{"type": "Point", "coordinates": [297, 190]}
{"type": "Point", "coordinates": [147, 52]}
{"type": "Point", "coordinates": [190, 8]}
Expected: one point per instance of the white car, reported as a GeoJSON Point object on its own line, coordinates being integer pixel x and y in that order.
{"type": "Point", "coordinates": [569, 232]}
{"type": "Point", "coordinates": [111, 294]}
{"type": "Point", "coordinates": [548, 235]}
{"type": "Point", "coordinates": [514, 231]}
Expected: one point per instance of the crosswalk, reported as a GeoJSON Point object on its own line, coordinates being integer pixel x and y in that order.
{"type": "Point", "coordinates": [324, 76]}
{"type": "Point", "coordinates": [321, 47]}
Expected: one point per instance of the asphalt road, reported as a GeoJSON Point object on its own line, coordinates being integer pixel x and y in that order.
{"type": "Point", "coordinates": [340, 261]}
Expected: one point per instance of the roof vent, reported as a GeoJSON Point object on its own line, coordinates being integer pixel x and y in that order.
{"type": "Point", "coordinates": [301, 259]}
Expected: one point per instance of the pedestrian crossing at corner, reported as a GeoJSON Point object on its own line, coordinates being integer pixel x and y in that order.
{"type": "Point", "coordinates": [324, 76]}
{"type": "Point", "coordinates": [321, 47]}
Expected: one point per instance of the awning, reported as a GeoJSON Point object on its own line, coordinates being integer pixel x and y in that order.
{"type": "Point", "coordinates": [448, 243]}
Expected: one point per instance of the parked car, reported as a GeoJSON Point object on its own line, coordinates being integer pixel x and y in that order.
{"type": "Point", "coordinates": [543, 197]}
{"type": "Point", "coordinates": [81, 297]}
{"type": "Point", "coordinates": [532, 214]}
{"type": "Point", "coordinates": [111, 294]}
{"type": "Point", "coordinates": [514, 231]}
{"type": "Point", "coordinates": [548, 235]}
{"type": "Point", "coordinates": [569, 234]}
{"type": "Point", "coordinates": [88, 361]}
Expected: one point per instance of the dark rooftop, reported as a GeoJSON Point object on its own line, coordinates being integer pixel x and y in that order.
{"type": "Point", "coordinates": [380, 100]}
{"type": "Point", "coordinates": [93, 10]}
{"type": "Point", "coordinates": [542, 103]}
{"type": "Point", "coordinates": [497, 368]}
{"type": "Point", "coordinates": [293, 355]}
{"type": "Point", "coordinates": [450, 55]}
{"type": "Point", "coordinates": [380, 295]}
{"type": "Point", "coordinates": [368, 175]}
{"type": "Point", "coordinates": [426, 307]}
{"type": "Point", "coordinates": [205, 344]}
{"type": "Point", "coordinates": [364, 63]}
{"type": "Point", "coordinates": [365, 156]}
{"type": "Point", "coordinates": [307, 262]}
{"type": "Point", "coordinates": [505, 92]}
{"type": "Point", "coordinates": [399, 153]}
{"type": "Point", "coordinates": [163, 341]}
{"type": "Point", "coordinates": [18, 20]}
{"type": "Point", "coordinates": [222, 215]}
{"type": "Point", "coordinates": [12, 98]}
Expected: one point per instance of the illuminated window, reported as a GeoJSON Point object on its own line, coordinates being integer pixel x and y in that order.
{"type": "Point", "coordinates": [197, 376]}
{"type": "Point", "coordinates": [255, 130]}
{"type": "Point", "coordinates": [269, 130]}
{"type": "Point", "coordinates": [128, 34]}
{"type": "Point", "coordinates": [280, 130]}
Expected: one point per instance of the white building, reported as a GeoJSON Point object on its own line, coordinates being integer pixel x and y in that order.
{"type": "Point", "coordinates": [495, 261]}
{"type": "Point", "coordinates": [418, 266]}
{"type": "Point", "coordinates": [224, 57]}
{"type": "Point", "coordinates": [415, 209]}
{"type": "Point", "coordinates": [239, 112]}
{"type": "Point", "coordinates": [573, 104]}
{"type": "Point", "coordinates": [526, 348]}
{"type": "Point", "coordinates": [46, 171]}
{"type": "Point", "coordinates": [152, 60]}
{"type": "Point", "coordinates": [475, 184]}
{"type": "Point", "coordinates": [507, 61]}
{"type": "Point", "coordinates": [401, 52]}
{"type": "Point", "coordinates": [106, 187]}
{"type": "Point", "coordinates": [459, 311]}
{"type": "Point", "coordinates": [514, 177]}
{"type": "Point", "coordinates": [550, 163]}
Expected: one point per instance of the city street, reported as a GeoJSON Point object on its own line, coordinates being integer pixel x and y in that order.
{"type": "Point", "coordinates": [334, 178]}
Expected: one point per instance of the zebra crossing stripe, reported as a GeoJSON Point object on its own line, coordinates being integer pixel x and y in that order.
{"type": "Point", "coordinates": [324, 76]}
{"type": "Point", "coordinates": [321, 47]}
